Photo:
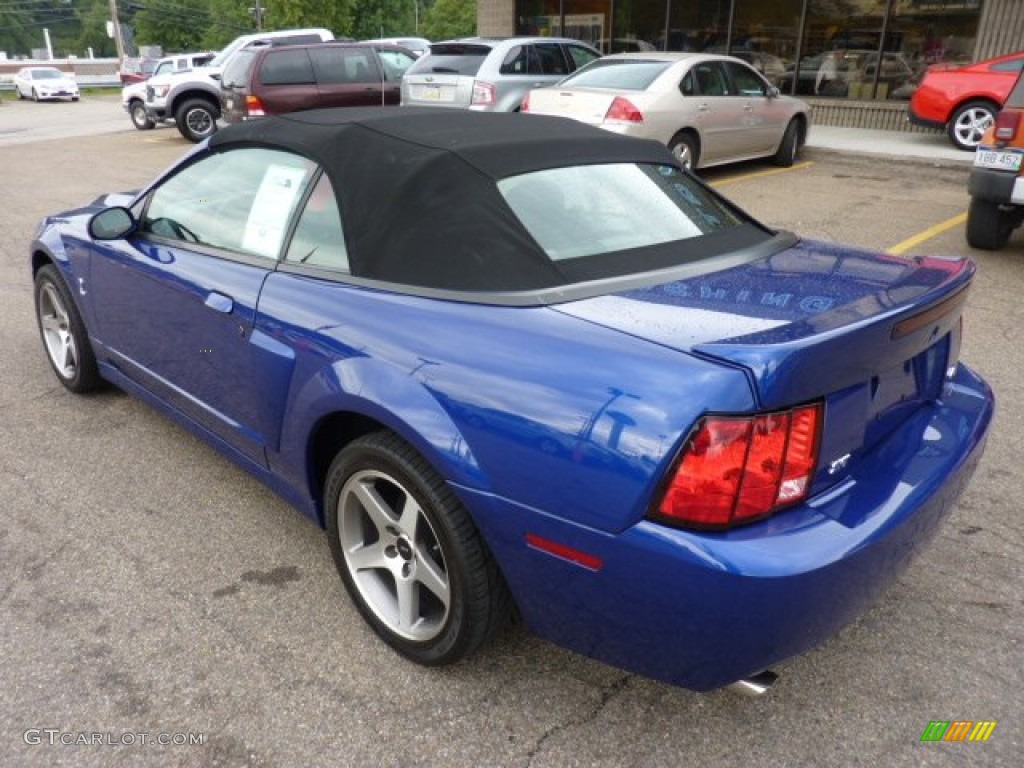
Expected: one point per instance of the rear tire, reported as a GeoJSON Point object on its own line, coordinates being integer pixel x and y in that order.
{"type": "Point", "coordinates": [789, 147]}
{"type": "Point", "coordinates": [686, 150]}
{"type": "Point", "coordinates": [988, 227]}
{"type": "Point", "coordinates": [408, 553]}
{"type": "Point", "coordinates": [196, 119]}
{"type": "Point", "coordinates": [969, 123]}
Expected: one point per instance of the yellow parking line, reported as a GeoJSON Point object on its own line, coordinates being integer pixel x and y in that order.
{"type": "Point", "coordinates": [900, 248]}
{"type": "Point", "coordinates": [759, 174]}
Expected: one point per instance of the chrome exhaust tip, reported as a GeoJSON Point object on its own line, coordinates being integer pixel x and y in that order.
{"type": "Point", "coordinates": [755, 685]}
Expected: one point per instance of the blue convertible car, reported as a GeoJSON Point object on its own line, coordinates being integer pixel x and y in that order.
{"type": "Point", "coordinates": [515, 364]}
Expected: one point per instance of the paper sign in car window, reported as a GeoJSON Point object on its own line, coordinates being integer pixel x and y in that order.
{"type": "Point", "coordinates": [268, 217]}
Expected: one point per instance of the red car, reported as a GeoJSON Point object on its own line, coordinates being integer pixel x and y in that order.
{"type": "Point", "coordinates": [964, 100]}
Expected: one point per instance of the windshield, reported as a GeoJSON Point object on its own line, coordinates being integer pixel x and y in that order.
{"type": "Point", "coordinates": [236, 73]}
{"type": "Point", "coordinates": [618, 74]}
{"type": "Point", "coordinates": [46, 74]}
{"type": "Point", "coordinates": [223, 56]}
{"type": "Point", "coordinates": [595, 209]}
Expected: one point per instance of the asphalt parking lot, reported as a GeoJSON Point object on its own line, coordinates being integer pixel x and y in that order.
{"type": "Point", "coordinates": [149, 588]}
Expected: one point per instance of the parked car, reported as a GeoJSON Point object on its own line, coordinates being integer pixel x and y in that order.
{"type": "Point", "coordinates": [963, 101]}
{"type": "Point", "coordinates": [418, 45]}
{"type": "Point", "coordinates": [137, 70]}
{"type": "Point", "coordinates": [996, 183]}
{"type": "Point", "coordinates": [706, 108]}
{"type": "Point", "coordinates": [489, 74]}
{"type": "Point", "coordinates": [133, 97]}
{"type": "Point", "coordinates": [192, 99]}
{"type": "Point", "coordinates": [264, 80]}
{"type": "Point", "coordinates": [847, 73]}
{"type": "Point", "coordinates": [517, 362]}
{"type": "Point", "coordinates": [39, 83]}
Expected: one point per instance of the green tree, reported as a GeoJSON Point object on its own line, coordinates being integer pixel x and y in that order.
{"type": "Point", "coordinates": [335, 15]}
{"type": "Point", "coordinates": [449, 18]}
{"type": "Point", "coordinates": [175, 25]}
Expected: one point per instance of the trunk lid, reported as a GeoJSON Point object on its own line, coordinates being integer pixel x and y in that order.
{"type": "Point", "coordinates": [582, 104]}
{"type": "Point", "coordinates": [874, 336]}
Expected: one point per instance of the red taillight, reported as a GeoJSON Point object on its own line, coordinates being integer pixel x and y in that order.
{"type": "Point", "coordinates": [1007, 123]}
{"type": "Point", "coordinates": [525, 106]}
{"type": "Point", "coordinates": [738, 469]}
{"type": "Point", "coordinates": [483, 93]}
{"type": "Point", "coordinates": [623, 111]}
{"type": "Point", "coordinates": [254, 107]}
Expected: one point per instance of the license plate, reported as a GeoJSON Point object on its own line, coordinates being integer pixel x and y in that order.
{"type": "Point", "coordinates": [1005, 161]}
{"type": "Point", "coordinates": [435, 93]}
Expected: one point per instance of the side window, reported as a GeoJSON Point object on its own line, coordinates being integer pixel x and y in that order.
{"type": "Point", "coordinates": [344, 65]}
{"type": "Point", "coordinates": [318, 239]}
{"type": "Point", "coordinates": [394, 64]}
{"type": "Point", "coordinates": [240, 200]}
{"type": "Point", "coordinates": [687, 86]}
{"type": "Point", "coordinates": [550, 59]}
{"type": "Point", "coordinates": [289, 67]}
{"type": "Point", "coordinates": [580, 56]}
{"type": "Point", "coordinates": [516, 61]}
{"type": "Point", "coordinates": [745, 82]}
{"type": "Point", "coordinates": [710, 79]}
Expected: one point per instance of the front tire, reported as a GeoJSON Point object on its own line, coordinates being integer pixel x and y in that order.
{"type": "Point", "coordinates": [684, 146]}
{"type": "Point", "coordinates": [35, 95]}
{"type": "Point", "coordinates": [969, 123]}
{"type": "Point", "coordinates": [988, 227]}
{"type": "Point", "coordinates": [137, 112]}
{"type": "Point", "coordinates": [196, 120]}
{"type": "Point", "coordinates": [408, 553]}
{"type": "Point", "coordinates": [786, 154]}
{"type": "Point", "coordinates": [64, 335]}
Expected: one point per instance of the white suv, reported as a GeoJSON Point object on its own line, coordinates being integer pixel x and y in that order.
{"type": "Point", "coordinates": [133, 97]}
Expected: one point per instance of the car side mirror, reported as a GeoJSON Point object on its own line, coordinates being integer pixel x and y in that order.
{"type": "Point", "coordinates": [774, 92]}
{"type": "Point", "coordinates": [112, 224]}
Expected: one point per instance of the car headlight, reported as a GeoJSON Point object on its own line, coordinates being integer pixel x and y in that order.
{"type": "Point", "coordinates": [159, 91]}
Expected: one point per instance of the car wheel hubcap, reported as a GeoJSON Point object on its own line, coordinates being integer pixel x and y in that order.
{"type": "Point", "coordinates": [60, 344]}
{"type": "Point", "coordinates": [198, 121]}
{"type": "Point", "coordinates": [393, 556]}
{"type": "Point", "coordinates": [683, 154]}
{"type": "Point", "coordinates": [972, 126]}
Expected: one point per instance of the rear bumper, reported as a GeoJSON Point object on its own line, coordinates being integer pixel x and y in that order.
{"type": "Point", "coordinates": [703, 610]}
{"type": "Point", "coordinates": [1001, 187]}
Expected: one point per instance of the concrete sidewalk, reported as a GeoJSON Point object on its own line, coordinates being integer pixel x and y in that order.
{"type": "Point", "coordinates": [928, 146]}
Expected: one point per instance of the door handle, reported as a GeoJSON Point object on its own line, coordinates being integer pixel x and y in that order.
{"type": "Point", "coordinates": [218, 302]}
{"type": "Point", "coordinates": [704, 108]}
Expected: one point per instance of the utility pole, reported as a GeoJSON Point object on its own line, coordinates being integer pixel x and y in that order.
{"type": "Point", "coordinates": [116, 33]}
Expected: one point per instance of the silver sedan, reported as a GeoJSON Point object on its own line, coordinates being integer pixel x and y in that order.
{"type": "Point", "coordinates": [708, 109]}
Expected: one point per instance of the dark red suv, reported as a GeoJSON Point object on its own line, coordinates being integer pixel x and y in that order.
{"type": "Point", "coordinates": [263, 80]}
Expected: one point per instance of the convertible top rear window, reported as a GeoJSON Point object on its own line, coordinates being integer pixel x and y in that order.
{"type": "Point", "coordinates": [594, 209]}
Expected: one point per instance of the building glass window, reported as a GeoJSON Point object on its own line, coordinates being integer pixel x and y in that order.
{"type": "Point", "coordinates": [860, 49]}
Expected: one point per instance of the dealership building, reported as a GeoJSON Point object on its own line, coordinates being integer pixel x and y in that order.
{"type": "Point", "coordinates": [837, 43]}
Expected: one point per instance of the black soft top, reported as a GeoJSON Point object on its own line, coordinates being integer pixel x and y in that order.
{"type": "Point", "coordinates": [417, 193]}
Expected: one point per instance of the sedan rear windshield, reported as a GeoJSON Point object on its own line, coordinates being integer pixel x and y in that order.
{"type": "Point", "coordinates": [451, 59]}
{"type": "Point", "coordinates": [618, 74]}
